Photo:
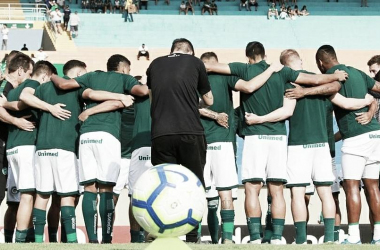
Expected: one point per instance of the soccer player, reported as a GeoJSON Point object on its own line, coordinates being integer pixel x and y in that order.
{"type": "Point", "coordinates": [374, 69]}
{"type": "Point", "coordinates": [268, 138]}
{"type": "Point", "coordinates": [358, 162]}
{"type": "Point", "coordinates": [99, 150]}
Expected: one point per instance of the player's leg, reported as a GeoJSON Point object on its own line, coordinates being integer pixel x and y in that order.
{"type": "Point", "coordinates": [278, 210]}
{"type": "Point", "coordinates": [53, 217]}
{"type": "Point", "coordinates": [69, 218]}
{"type": "Point", "coordinates": [39, 215]}
{"type": "Point", "coordinates": [299, 212]}
{"type": "Point", "coordinates": [268, 232]}
{"type": "Point", "coordinates": [122, 181]}
{"type": "Point", "coordinates": [335, 188]}
{"type": "Point", "coordinates": [13, 201]}
{"type": "Point", "coordinates": [227, 214]}
{"type": "Point", "coordinates": [90, 212]}
{"type": "Point", "coordinates": [106, 211]}
{"type": "Point", "coordinates": [328, 211]}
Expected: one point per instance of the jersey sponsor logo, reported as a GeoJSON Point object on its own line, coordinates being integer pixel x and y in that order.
{"type": "Point", "coordinates": [315, 145]}
{"type": "Point", "coordinates": [270, 138]}
{"type": "Point", "coordinates": [144, 158]}
{"type": "Point", "coordinates": [374, 136]}
{"type": "Point", "coordinates": [214, 147]}
{"type": "Point", "coordinates": [93, 141]}
{"type": "Point", "coordinates": [14, 190]}
{"type": "Point", "coordinates": [12, 152]}
{"type": "Point", "coordinates": [55, 154]}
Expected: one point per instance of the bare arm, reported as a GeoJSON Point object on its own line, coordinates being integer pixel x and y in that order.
{"type": "Point", "coordinates": [27, 96]}
{"type": "Point", "coordinates": [300, 92]}
{"type": "Point", "coordinates": [376, 87]}
{"type": "Point", "coordinates": [309, 79]}
{"type": "Point", "coordinates": [220, 118]}
{"type": "Point", "coordinates": [220, 68]}
{"type": "Point", "coordinates": [351, 103]}
{"type": "Point", "coordinates": [21, 123]}
{"type": "Point", "coordinates": [279, 114]}
{"type": "Point", "coordinates": [206, 100]}
{"type": "Point", "coordinates": [103, 107]}
{"type": "Point", "coordinates": [101, 96]}
{"type": "Point", "coordinates": [140, 90]}
{"type": "Point", "coordinates": [64, 84]}
{"type": "Point", "coordinates": [365, 117]}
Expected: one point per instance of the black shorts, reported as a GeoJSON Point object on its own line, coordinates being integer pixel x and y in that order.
{"type": "Point", "coordinates": [57, 21]}
{"type": "Point", "coordinates": [187, 150]}
{"type": "Point", "coordinates": [3, 164]}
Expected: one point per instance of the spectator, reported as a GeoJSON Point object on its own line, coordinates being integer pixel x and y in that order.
{"type": "Point", "coordinates": [214, 8]}
{"type": "Point", "coordinates": [92, 6]}
{"type": "Point", "coordinates": [85, 5]}
{"type": "Point", "coordinates": [182, 8]}
{"type": "Point", "coordinates": [24, 48]}
{"type": "Point", "coordinates": [252, 3]}
{"type": "Point", "coordinates": [56, 16]}
{"type": "Point", "coordinates": [99, 6]}
{"type": "Point", "coordinates": [66, 17]}
{"type": "Point", "coordinates": [61, 3]}
{"type": "Point", "coordinates": [206, 7]}
{"type": "Point", "coordinates": [74, 23]}
{"type": "Point", "coordinates": [33, 58]}
{"type": "Point", "coordinates": [243, 3]}
{"type": "Point", "coordinates": [4, 33]}
{"type": "Point", "coordinates": [296, 11]}
{"type": "Point", "coordinates": [118, 6]}
{"type": "Point", "coordinates": [143, 3]}
{"type": "Point", "coordinates": [136, 6]}
{"type": "Point", "coordinates": [143, 51]}
{"type": "Point", "coordinates": [364, 3]}
{"type": "Point", "coordinates": [304, 11]}
{"type": "Point", "coordinates": [54, 6]}
{"type": "Point", "coordinates": [107, 5]}
{"type": "Point", "coordinates": [190, 7]}
{"type": "Point", "coordinates": [41, 55]}
{"type": "Point", "coordinates": [290, 13]}
{"type": "Point", "coordinates": [283, 12]}
{"type": "Point", "coordinates": [128, 10]}
{"type": "Point", "coordinates": [272, 11]}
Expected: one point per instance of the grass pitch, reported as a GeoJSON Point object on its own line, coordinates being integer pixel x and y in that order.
{"type": "Point", "coordinates": [57, 246]}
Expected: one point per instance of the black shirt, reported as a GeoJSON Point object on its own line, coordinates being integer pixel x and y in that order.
{"type": "Point", "coordinates": [175, 81]}
{"type": "Point", "coordinates": [3, 126]}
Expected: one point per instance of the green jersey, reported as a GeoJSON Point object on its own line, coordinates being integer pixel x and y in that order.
{"type": "Point", "coordinates": [16, 136]}
{"type": "Point", "coordinates": [143, 122]}
{"type": "Point", "coordinates": [308, 123]}
{"type": "Point", "coordinates": [107, 81]}
{"type": "Point", "coordinates": [126, 131]}
{"type": "Point", "coordinates": [54, 133]}
{"type": "Point", "coordinates": [356, 86]}
{"type": "Point", "coordinates": [330, 127]}
{"type": "Point", "coordinates": [221, 87]}
{"type": "Point", "coordinates": [264, 100]}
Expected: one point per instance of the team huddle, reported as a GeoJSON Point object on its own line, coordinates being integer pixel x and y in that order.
{"type": "Point", "coordinates": [95, 133]}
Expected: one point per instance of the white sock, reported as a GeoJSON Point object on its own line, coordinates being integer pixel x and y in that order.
{"type": "Point", "coordinates": [353, 233]}
{"type": "Point", "coordinates": [376, 231]}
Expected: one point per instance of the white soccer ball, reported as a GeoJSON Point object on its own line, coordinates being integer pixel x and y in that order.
{"type": "Point", "coordinates": [168, 200]}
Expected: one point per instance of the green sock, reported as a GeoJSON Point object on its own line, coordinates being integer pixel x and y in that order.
{"type": "Point", "coordinates": [63, 233]}
{"type": "Point", "coordinates": [141, 235]}
{"type": "Point", "coordinates": [106, 210]}
{"type": "Point", "coordinates": [278, 227]}
{"type": "Point", "coordinates": [336, 233]}
{"type": "Point", "coordinates": [134, 236]}
{"type": "Point", "coordinates": [52, 231]}
{"type": "Point", "coordinates": [69, 223]}
{"type": "Point", "coordinates": [30, 237]}
{"type": "Point", "coordinates": [8, 235]}
{"type": "Point", "coordinates": [268, 222]}
{"type": "Point", "coordinates": [213, 221]}
{"type": "Point", "coordinates": [254, 227]}
{"type": "Point", "coordinates": [21, 235]}
{"type": "Point", "coordinates": [329, 229]}
{"type": "Point", "coordinates": [199, 230]}
{"type": "Point", "coordinates": [90, 215]}
{"type": "Point", "coordinates": [300, 232]}
{"type": "Point", "coordinates": [228, 218]}
{"type": "Point", "coordinates": [39, 221]}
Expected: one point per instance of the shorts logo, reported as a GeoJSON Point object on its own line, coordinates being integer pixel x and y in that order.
{"type": "Point", "coordinates": [14, 190]}
{"type": "Point", "coordinates": [214, 147]}
{"type": "Point", "coordinates": [144, 158]}
{"type": "Point", "coordinates": [315, 145]}
{"type": "Point", "coordinates": [47, 153]}
{"type": "Point", "coordinates": [88, 141]}
{"type": "Point", "coordinates": [270, 138]}
{"type": "Point", "coordinates": [13, 152]}
{"type": "Point", "coordinates": [374, 136]}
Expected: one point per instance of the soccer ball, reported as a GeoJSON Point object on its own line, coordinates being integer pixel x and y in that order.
{"type": "Point", "coordinates": [168, 200]}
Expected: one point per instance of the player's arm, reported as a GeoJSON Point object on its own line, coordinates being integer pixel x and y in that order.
{"type": "Point", "coordinates": [140, 90]}
{"type": "Point", "coordinates": [279, 114]}
{"type": "Point", "coordinates": [221, 68]}
{"type": "Point", "coordinates": [206, 100]}
{"type": "Point", "coordinates": [365, 117]}
{"type": "Point", "coordinates": [14, 106]}
{"type": "Point", "coordinates": [103, 107]}
{"type": "Point", "coordinates": [220, 118]}
{"type": "Point", "coordinates": [258, 81]}
{"type": "Point", "coordinates": [351, 103]}
{"type": "Point", "coordinates": [376, 87]}
{"type": "Point", "coordinates": [102, 96]}
{"type": "Point", "coordinates": [21, 123]}
{"type": "Point", "coordinates": [27, 96]}
{"type": "Point", "coordinates": [64, 84]}
{"type": "Point", "coordinates": [299, 92]}
{"type": "Point", "coordinates": [310, 79]}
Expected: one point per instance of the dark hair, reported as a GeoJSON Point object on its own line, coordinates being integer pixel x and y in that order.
{"type": "Point", "coordinates": [44, 67]}
{"type": "Point", "coordinates": [114, 61]}
{"type": "Point", "coordinates": [254, 49]}
{"type": "Point", "coordinates": [73, 64]}
{"type": "Point", "coordinates": [326, 53]}
{"type": "Point", "coordinates": [374, 60]}
{"type": "Point", "coordinates": [377, 76]}
{"type": "Point", "coordinates": [19, 60]}
{"type": "Point", "coordinates": [295, 6]}
{"type": "Point", "coordinates": [182, 44]}
{"type": "Point", "coordinates": [209, 55]}
{"type": "Point", "coordinates": [303, 7]}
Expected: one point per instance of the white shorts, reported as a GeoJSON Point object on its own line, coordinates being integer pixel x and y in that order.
{"type": "Point", "coordinates": [21, 160]}
{"type": "Point", "coordinates": [264, 158]}
{"type": "Point", "coordinates": [310, 189]}
{"type": "Point", "coordinates": [212, 193]}
{"type": "Point", "coordinates": [140, 162]}
{"type": "Point", "coordinates": [338, 174]}
{"type": "Point", "coordinates": [13, 195]}
{"type": "Point", "coordinates": [99, 158]}
{"type": "Point", "coordinates": [309, 162]}
{"type": "Point", "coordinates": [361, 156]}
{"type": "Point", "coordinates": [56, 171]}
{"type": "Point", "coordinates": [122, 180]}
{"type": "Point", "coordinates": [220, 167]}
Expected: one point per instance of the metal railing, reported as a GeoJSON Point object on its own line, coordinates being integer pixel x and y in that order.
{"type": "Point", "coordinates": [23, 11]}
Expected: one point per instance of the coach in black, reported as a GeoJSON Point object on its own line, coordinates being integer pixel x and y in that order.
{"type": "Point", "coordinates": [175, 82]}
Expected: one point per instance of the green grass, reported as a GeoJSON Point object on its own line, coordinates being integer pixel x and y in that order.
{"type": "Point", "coordinates": [192, 246]}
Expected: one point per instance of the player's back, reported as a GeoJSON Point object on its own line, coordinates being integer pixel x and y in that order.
{"type": "Point", "coordinates": [142, 126]}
